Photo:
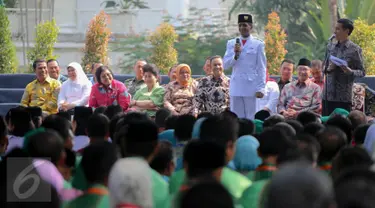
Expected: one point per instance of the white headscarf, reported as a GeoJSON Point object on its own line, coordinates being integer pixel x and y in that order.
{"type": "Point", "coordinates": [81, 76]}
{"type": "Point", "coordinates": [130, 182]}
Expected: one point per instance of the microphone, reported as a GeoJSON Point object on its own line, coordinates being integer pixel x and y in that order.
{"type": "Point", "coordinates": [237, 54]}
{"type": "Point", "coordinates": [332, 37]}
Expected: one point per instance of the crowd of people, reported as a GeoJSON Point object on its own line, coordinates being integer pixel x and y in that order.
{"type": "Point", "coordinates": [191, 143]}
{"type": "Point", "coordinates": [110, 158]}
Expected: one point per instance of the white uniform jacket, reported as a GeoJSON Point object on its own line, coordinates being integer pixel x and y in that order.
{"type": "Point", "coordinates": [249, 71]}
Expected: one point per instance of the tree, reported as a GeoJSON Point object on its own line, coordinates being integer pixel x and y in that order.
{"type": "Point", "coordinates": [164, 55]}
{"type": "Point", "coordinates": [46, 37]}
{"type": "Point", "coordinates": [354, 9]}
{"type": "Point", "coordinates": [364, 36]}
{"type": "Point", "coordinates": [8, 59]}
{"type": "Point", "coordinates": [135, 47]}
{"type": "Point", "coordinates": [126, 5]}
{"type": "Point", "coordinates": [201, 34]}
{"type": "Point", "coordinates": [9, 3]}
{"type": "Point", "coordinates": [96, 43]}
{"type": "Point", "coordinates": [275, 40]}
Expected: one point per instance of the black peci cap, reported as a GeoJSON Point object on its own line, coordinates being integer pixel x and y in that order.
{"type": "Point", "coordinates": [262, 115]}
{"type": "Point", "coordinates": [245, 18]}
{"type": "Point", "coordinates": [304, 62]}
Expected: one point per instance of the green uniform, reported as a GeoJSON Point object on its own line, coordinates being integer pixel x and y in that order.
{"type": "Point", "coordinates": [160, 193]}
{"type": "Point", "coordinates": [159, 187]}
{"type": "Point", "coordinates": [234, 182]}
{"type": "Point", "coordinates": [263, 172]}
{"type": "Point", "coordinates": [156, 96]}
{"type": "Point", "coordinates": [79, 180]}
{"type": "Point", "coordinates": [251, 198]}
{"type": "Point", "coordinates": [94, 196]}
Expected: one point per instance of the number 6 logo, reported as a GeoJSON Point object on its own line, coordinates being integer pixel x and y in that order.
{"type": "Point", "coordinates": [23, 177]}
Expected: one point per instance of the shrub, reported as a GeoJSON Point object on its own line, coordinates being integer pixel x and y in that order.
{"type": "Point", "coordinates": [96, 44]}
{"type": "Point", "coordinates": [46, 37]}
{"type": "Point", "coordinates": [275, 40]}
{"type": "Point", "coordinates": [135, 47]}
{"type": "Point", "coordinates": [8, 59]}
{"type": "Point", "coordinates": [164, 55]}
{"type": "Point", "coordinates": [364, 36]}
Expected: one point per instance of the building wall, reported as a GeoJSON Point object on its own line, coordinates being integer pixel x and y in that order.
{"type": "Point", "coordinates": [73, 17]}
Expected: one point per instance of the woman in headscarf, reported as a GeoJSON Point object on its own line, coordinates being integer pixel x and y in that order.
{"type": "Point", "coordinates": [130, 184]}
{"type": "Point", "coordinates": [108, 91]}
{"type": "Point", "coordinates": [179, 94]}
{"type": "Point", "coordinates": [246, 158]}
{"type": "Point", "coordinates": [76, 90]}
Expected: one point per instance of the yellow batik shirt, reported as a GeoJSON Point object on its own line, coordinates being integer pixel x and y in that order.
{"type": "Point", "coordinates": [43, 95]}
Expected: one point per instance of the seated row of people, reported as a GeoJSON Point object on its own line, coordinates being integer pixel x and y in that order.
{"type": "Point", "coordinates": [184, 95]}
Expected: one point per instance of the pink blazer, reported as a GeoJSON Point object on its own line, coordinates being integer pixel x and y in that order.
{"type": "Point", "coordinates": [115, 94]}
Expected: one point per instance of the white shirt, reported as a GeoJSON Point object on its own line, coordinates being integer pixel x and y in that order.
{"type": "Point", "coordinates": [74, 93]}
{"type": "Point", "coordinates": [270, 98]}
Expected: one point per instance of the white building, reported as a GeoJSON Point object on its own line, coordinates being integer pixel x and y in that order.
{"type": "Point", "coordinates": [73, 17]}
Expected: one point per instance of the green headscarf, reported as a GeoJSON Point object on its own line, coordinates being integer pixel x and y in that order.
{"type": "Point", "coordinates": [258, 126]}
{"type": "Point", "coordinates": [337, 111]}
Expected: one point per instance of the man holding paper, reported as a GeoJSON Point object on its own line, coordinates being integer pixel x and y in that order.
{"type": "Point", "coordinates": [345, 64]}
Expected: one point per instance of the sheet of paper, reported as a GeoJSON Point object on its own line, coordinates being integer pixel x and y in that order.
{"type": "Point", "coordinates": [337, 61]}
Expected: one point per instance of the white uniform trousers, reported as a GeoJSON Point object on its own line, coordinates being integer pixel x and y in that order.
{"type": "Point", "coordinates": [244, 107]}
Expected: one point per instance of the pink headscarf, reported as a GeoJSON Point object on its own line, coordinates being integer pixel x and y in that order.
{"type": "Point", "coordinates": [51, 175]}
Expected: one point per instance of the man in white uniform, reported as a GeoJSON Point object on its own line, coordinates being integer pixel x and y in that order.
{"type": "Point", "coordinates": [248, 61]}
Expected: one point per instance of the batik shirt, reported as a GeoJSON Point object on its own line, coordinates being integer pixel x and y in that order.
{"type": "Point", "coordinates": [300, 96]}
{"type": "Point", "coordinates": [340, 84]}
{"type": "Point", "coordinates": [212, 95]}
{"type": "Point", "coordinates": [43, 95]}
{"type": "Point", "coordinates": [134, 85]}
{"type": "Point", "coordinates": [178, 98]}
{"type": "Point", "coordinates": [115, 94]}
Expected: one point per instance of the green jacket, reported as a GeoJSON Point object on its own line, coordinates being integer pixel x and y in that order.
{"type": "Point", "coordinates": [160, 193]}
{"type": "Point", "coordinates": [234, 182]}
{"type": "Point", "coordinates": [263, 172]}
{"type": "Point", "coordinates": [96, 196]}
{"type": "Point", "coordinates": [251, 198]}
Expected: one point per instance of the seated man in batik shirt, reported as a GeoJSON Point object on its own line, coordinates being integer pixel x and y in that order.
{"type": "Point", "coordinates": [300, 95]}
{"type": "Point", "coordinates": [136, 83]}
{"type": "Point", "coordinates": [43, 91]}
{"type": "Point", "coordinates": [212, 91]}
